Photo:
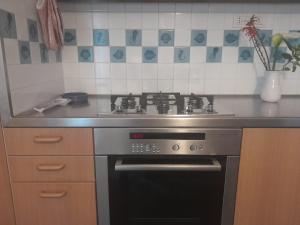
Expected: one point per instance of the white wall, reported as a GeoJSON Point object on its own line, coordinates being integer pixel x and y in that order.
{"type": "Point", "coordinates": [34, 83]}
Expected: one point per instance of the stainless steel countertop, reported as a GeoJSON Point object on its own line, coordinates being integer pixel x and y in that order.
{"type": "Point", "coordinates": [249, 111]}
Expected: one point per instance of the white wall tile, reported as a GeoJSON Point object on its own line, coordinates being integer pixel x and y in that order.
{"type": "Point", "coordinates": [84, 37]}
{"type": "Point", "coordinates": [69, 54]}
{"type": "Point", "coordinates": [150, 20]}
{"type": "Point", "coordinates": [230, 55]}
{"type": "Point", "coordinates": [69, 19]}
{"type": "Point", "coordinates": [150, 85]}
{"type": "Point", "coordinates": [198, 54]}
{"type": "Point", "coordinates": [134, 54]}
{"type": "Point", "coordinates": [117, 37]}
{"type": "Point", "coordinates": [165, 85]}
{"type": "Point", "coordinates": [215, 37]}
{"type": "Point", "coordinates": [102, 54]}
{"type": "Point", "coordinates": [182, 37]}
{"type": "Point", "coordinates": [149, 71]}
{"type": "Point", "coordinates": [167, 20]}
{"type": "Point", "coordinates": [197, 86]}
{"type": "Point", "coordinates": [165, 71]}
{"type": "Point", "coordinates": [102, 70]}
{"type": "Point", "coordinates": [150, 37]}
{"type": "Point", "coordinates": [165, 54]}
{"type": "Point", "coordinates": [134, 70]}
{"type": "Point", "coordinates": [181, 71]}
{"type": "Point", "coordinates": [181, 86]}
{"type": "Point", "coordinates": [133, 20]}
{"type": "Point", "coordinates": [134, 86]}
{"type": "Point", "coordinates": [197, 71]}
{"type": "Point", "coordinates": [116, 20]}
{"type": "Point", "coordinates": [84, 20]}
{"type": "Point", "coordinates": [71, 69]}
{"type": "Point", "coordinates": [118, 70]}
{"type": "Point", "coordinates": [119, 86]}
{"type": "Point", "coordinates": [86, 70]}
{"type": "Point", "coordinates": [100, 20]}
{"type": "Point", "coordinates": [103, 86]}
{"type": "Point", "coordinates": [183, 20]}
{"type": "Point", "coordinates": [199, 21]}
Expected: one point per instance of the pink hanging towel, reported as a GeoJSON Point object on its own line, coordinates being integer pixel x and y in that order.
{"type": "Point", "coordinates": [51, 23]}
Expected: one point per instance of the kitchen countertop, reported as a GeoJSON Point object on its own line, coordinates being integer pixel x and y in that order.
{"type": "Point", "coordinates": [249, 111]}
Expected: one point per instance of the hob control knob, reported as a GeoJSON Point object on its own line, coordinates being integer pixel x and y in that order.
{"type": "Point", "coordinates": [175, 147]}
{"type": "Point", "coordinates": [193, 148]}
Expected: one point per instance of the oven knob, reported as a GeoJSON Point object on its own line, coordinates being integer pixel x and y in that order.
{"type": "Point", "coordinates": [201, 147]}
{"type": "Point", "coordinates": [175, 147]}
{"type": "Point", "coordinates": [193, 148]}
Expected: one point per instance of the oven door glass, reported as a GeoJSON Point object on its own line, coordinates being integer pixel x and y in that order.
{"type": "Point", "coordinates": [168, 191]}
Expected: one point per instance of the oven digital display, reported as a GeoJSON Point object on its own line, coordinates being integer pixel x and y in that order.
{"type": "Point", "coordinates": [168, 136]}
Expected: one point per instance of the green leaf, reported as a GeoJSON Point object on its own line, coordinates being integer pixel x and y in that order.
{"type": "Point", "coordinates": [286, 69]}
{"type": "Point", "coordinates": [294, 68]}
{"type": "Point", "coordinates": [287, 56]}
{"type": "Point", "coordinates": [288, 44]}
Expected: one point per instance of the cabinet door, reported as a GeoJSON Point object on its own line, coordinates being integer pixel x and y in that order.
{"type": "Point", "coordinates": [6, 206]}
{"type": "Point", "coordinates": [55, 203]}
{"type": "Point", "coordinates": [269, 178]}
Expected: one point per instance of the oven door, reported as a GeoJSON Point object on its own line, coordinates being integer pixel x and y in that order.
{"type": "Point", "coordinates": [166, 191]}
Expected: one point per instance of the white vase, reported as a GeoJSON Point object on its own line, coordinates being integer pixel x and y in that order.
{"type": "Point", "coordinates": [271, 89]}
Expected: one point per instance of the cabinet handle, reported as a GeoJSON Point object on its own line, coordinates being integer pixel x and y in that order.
{"type": "Point", "coordinates": [47, 140]}
{"type": "Point", "coordinates": [50, 167]}
{"type": "Point", "coordinates": [45, 194]}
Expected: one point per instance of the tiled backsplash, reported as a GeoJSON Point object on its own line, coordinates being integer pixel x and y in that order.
{"type": "Point", "coordinates": [193, 47]}
{"type": "Point", "coordinates": [35, 74]}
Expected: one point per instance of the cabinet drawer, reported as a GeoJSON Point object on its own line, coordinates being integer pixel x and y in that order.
{"type": "Point", "coordinates": [59, 203]}
{"type": "Point", "coordinates": [51, 168]}
{"type": "Point", "coordinates": [49, 141]}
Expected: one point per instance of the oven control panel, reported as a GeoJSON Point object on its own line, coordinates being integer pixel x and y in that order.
{"type": "Point", "coordinates": [154, 148]}
{"type": "Point", "coordinates": [167, 141]}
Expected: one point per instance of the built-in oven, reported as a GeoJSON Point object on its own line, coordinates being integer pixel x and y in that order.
{"type": "Point", "coordinates": [166, 176]}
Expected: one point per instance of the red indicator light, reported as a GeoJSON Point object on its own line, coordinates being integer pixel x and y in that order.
{"type": "Point", "coordinates": [137, 136]}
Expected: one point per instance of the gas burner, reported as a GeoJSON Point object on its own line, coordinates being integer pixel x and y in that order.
{"type": "Point", "coordinates": [198, 104]}
{"type": "Point", "coordinates": [128, 102]}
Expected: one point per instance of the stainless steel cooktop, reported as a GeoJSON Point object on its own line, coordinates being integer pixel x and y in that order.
{"type": "Point", "coordinates": [164, 104]}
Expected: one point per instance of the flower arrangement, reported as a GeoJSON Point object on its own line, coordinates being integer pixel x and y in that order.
{"type": "Point", "coordinates": [292, 58]}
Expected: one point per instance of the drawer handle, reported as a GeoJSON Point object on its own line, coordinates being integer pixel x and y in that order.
{"type": "Point", "coordinates": [45, 194]}
{"type": "Point", "coordinates": [47, 140]}
{"type": "Point", "coordinates": [50, 167]}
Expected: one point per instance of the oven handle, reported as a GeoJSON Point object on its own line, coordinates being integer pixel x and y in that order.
{"type": "Point", "coordinates": [214, 167]}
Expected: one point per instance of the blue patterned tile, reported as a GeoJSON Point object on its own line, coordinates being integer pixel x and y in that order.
{"type": "Point", "coordinates": [85, 54]}
{"type": "Point", "coordinates": [44, 53]}
{"type": "Point", "coordinates": [101, 37]}
{"type": "Point", "coordinates": [278, 54]}
{"type": "Point", "coordinates": [70, 37]}
{"type": "Point", "coordinates": [294, 42]}
{"type": "Point", "coordinates": [231, 38]}
{"type": "Point", "coordinates": [32, 30]}
{"type": "Point", "coordinates": [214, 55]}
{"type": "Point", "coordinates": [198, 37]}
{"type": "Point", "coordinates": [118, 54]}
{"type": "Point", "coordinates": [133, 37]}
{"type": "Point", "coordinates": [8, 28]}
{"type": "Point", "coordinates": [166, 37]}
{"type": "Point", "coordinates": [24, 52]}
{"type": "Point", "coordinates": [246, 54]}
{"type": "Point", "coordinates": [149, 54]}
{"type": "Point", "coordinates": [182, 55]}
{"type": "Point", "coordinates": [265, 36]}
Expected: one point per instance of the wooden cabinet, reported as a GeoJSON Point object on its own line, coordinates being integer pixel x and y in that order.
{"type": "Point", "coordinates": [6, 205]}
{"type": "Point", "coordinates": [269, 178]}
{"type": "Point", "coordinates": [55, 203]}
{"type": "Point", "coordinates": [52, 173]}
{"type": "Point", "coordinates": [49, 141]}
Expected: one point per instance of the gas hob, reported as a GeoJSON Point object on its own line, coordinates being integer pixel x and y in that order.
{"type": "Point", "coordinates": [164, 104]}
